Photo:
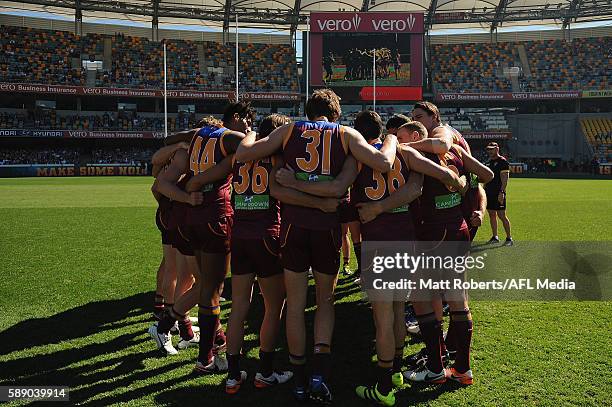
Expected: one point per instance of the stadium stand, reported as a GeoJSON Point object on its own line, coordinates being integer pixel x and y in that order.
{"type": "Point", "coordinates": [598, 132]}
{"type": "Point", "coordinates": [55, 57]}
{"type": "Point", "coordinates": [583, 63]}
{"type": "Point", "coordinates": [49, 119]}
{"type": "Point", "coordinates": [134, 155]}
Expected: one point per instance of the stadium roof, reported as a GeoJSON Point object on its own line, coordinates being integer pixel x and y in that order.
{"type": "Point", "coordinates": [292, 14]}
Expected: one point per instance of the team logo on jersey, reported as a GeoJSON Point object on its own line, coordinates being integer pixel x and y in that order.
{"type": "Point", "coordinates": [313, 177]}
{"type": "Point", "coordinates": [251, 202]}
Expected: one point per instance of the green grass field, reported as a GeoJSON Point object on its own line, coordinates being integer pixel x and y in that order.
{"type": "Point", "coordinates": [78, 262]}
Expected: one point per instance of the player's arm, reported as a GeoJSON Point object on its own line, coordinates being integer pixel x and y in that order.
{"type": "Point", "coordinates": [154, 191]}
{"type": "Point", "coordinates": [407, 193]}
{"type": "Point", "coordinates": [251, 149]}
{"type": "Point", "coordinates": [231, 140]}
{"type": "Point", "coordinates": [474, 166]}
{"type": "Point", "coordinates": [294, 197]}
{"type": "Point", "coordinates": [334, 189]}
{"type": "Point", "coordinates": [439, 141]}
{"type": "Point", "coordinates": [215, 173]}
{"type": "Point", "coordinates": [181, 136]}
{"type": "Point", "coordinates": [164, 154]}
{"type": "Point", "coordinates": [380, 160]}
{"type": "Point", "coordinates": [478, 215]}
{"type": "Point", "coordinates": [165, 183]}
{"type": "Point", "coordinates": [425, 166]}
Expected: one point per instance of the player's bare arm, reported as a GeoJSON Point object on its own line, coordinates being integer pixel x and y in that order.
{"type": "Point", "coordinates": [294, 197]}
{"type": "Point", "coordinates": [214, 173]}
{"type": "Point", "coordinates": [251, 149]}
{"type": "Point", "coordinates": [165, 183]}
{"type": "Point", "coordinates": [231, 140]}
{"type": "Point", "coordinates": [181, 136]}
{"type": "Point", "coordinates": [380, 160]}
{"type": "Point", "coordinates": [439, 141]}
{"type": "Point", "coordinates": [478, 215]}
{"type": "Point", "coordinates": [335, 188]}
{"type": "Point", "coordinates": [474, 166]}
{"type": "Point", "coordinates": [417, 162]}
{"type": "Point", "coordinates": [164, 154]}
{"type": "Point", "coordinates": [504, 176]}
{"type": "Point", "coordinates": [411, 190]}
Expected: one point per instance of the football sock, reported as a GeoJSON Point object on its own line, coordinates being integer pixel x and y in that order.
{"type": "Point", "coordinates": [383, 376]}
{"type": "Point", "coordinates": [158, 303]}
{"type": "Point", "coordinates": [233, 366]}
{"type": "Point", "coordinates": [442, 343]}
{"type": "Point", "coordinates": [321, 360]}
{"type": "Point", "coordinates": [166, 322]}
{"type": "Point", "coordinates": [463, 327]}
{"type": "Point", "coordinates": [266, 360]}
{"type": "Point", "coordinates": [431, 333]}
{"type": "Point", "coordinates": [209, 319]}
{"type": "Point", "coordinates": [298, 366]}
{"type": "Point", "coordinates": [397, 360]}
{"type": "Point", "coordinates": [184, 325]}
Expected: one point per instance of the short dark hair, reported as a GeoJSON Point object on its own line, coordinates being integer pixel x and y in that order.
{"type": "Point", "coordinates": [413, 125]}
{"type": "Point", "coordinates": [323, 102]}
{"type": "Point", "coordinates": [369, 124]}
{"type": "Point", "coordinates": [430, 108]}
{"type": "Point", "coordinates": [396, 121]}
{"type": "Point", "coordinates": [242, 108]}
{"type": "Point", "coordinates": [271, 122]}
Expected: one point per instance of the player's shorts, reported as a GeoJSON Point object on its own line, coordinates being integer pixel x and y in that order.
{"type": "Point", "coordinates": [492, 202]}
{"type": "Point", "coordinates": [259, 256]}
{"type": "Point", "coordinates": [431, 238]}
{"type": "Point", "coordinates": [304, 248]}
{"type": "Point", "coordinates": [348, 213]}
{"type": "Point", "coordinates": [210, 237]}
{"type": "Point", "coordinates": [439, 232]}
{"type": "Point", "coordinates": [178, 240]}
{"type": "Point", "coordinates": [389, 227]}
{"type": "Point", "coordinates": [161, 220]}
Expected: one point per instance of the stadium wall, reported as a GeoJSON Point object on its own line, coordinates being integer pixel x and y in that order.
{"type": "Point", "coordinates": [547, 136]}
{"type": "Point", "coordinates": [112, 29]}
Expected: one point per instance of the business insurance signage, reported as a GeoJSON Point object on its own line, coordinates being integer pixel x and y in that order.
{"type": "Point", "coordinates": [145, 93]}
{"type": "Point", "coordinates": [81, 134]}
{"type": "Point", "coordinates": [517, 96]}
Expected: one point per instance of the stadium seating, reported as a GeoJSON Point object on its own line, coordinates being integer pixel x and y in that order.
{"type": "Point", "coordinates": [118, 121]}
{"type": "Point", "coordinates": [54, 57]}
{"type": "Point", "coordinates": [135, 155]}
{"type": "Point", "coordinates": [598, 132]}
{"type": "Point", "coordinates": [471, 67]}
{"type": "Point", "coordinates": [583, 63]}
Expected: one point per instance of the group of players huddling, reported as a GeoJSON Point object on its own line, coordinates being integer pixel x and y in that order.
{"type": "Point", "coordinates": [276, 200]}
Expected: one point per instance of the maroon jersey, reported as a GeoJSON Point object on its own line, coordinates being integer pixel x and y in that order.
{"type": "Point", "coordinates": [371, 185]}
{"type": "Point", "coordinates": [440, 204]}
{"type": "Point", "coordinates": [256, 212]}
{"type": "Point", "coordinates": [316, 151]}
{"type": "Point", "coordinates": [205, 151]}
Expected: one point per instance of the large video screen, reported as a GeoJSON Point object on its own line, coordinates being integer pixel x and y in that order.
{"type": "Point", "coordinates": [348, 59]}
{"type": "Point", "coordinates": [341, 48]}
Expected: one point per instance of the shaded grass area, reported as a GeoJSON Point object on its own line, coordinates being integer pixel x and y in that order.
{"type": "Point", "coordinates": [78, 261]}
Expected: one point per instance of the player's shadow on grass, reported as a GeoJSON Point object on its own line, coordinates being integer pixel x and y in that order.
{"type": "Point", "coordinates": [91, 318]}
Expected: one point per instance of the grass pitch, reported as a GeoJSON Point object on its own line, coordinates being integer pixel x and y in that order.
{"type": "Point", "coordinates": [78, 262]}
